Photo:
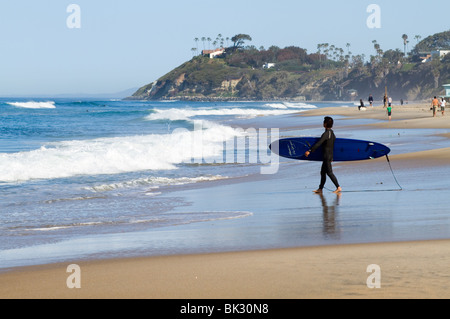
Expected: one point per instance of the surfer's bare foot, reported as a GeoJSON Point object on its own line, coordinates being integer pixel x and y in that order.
{"type": "Point", "coordinates": [338, 190]}
{"type": "Point", "coordinates": [318, 191]}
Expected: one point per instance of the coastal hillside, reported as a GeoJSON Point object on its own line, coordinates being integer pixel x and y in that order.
{"type": "Point", "coordinates": [241, 72]}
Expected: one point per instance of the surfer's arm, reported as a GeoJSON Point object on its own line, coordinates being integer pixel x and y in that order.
{"type": "Point", "coordinates": [317, 145]}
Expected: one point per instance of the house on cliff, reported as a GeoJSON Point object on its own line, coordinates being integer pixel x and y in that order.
{"type": "Point", "coordinates": [213, 53]}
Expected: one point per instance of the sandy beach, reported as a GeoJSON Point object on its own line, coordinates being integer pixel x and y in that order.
{"type": "Point", "coordinates": [412, 269]}
{"type": "Point", "coordinates": [408, 270]}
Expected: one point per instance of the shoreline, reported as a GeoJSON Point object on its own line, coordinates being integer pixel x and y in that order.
{"type": "Point", "coordinates": [322, 271]}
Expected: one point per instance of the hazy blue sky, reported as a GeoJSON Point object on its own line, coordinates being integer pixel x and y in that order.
{"type": "Point", "coordinates": [124, 44]}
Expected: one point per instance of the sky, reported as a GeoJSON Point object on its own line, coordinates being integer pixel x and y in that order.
{"type": "Point", "coordinates": [108, 46]}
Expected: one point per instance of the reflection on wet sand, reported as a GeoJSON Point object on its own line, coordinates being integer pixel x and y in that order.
{"type": "Point", "coordinates": [330, 227]}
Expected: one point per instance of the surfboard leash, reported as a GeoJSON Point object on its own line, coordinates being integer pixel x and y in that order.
{"type": "Point", "coordinates": [378, 190]}
{"type": "Point", "coordinates": [392, 171]}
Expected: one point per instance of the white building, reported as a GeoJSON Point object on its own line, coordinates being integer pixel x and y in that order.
{"type": "Point", "coordinates": [439, 53]}
{"type": "Point", "coordinates": [213, 53]}
{"type": "Point", "coordinates": [447, 91]}
{"type": "Point", "coordinates": [268, 65]}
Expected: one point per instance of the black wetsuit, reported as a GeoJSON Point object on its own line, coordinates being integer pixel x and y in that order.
{"type": "Point", "coordinates": [327, 143]}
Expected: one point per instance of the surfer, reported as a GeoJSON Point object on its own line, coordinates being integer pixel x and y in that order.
{"type": "Point", "coordinates": [327, 143]}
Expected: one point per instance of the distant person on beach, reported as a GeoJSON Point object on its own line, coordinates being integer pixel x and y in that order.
{"type": "Point", "coordinates": [361, 104]}
{"type": "Point", "coordinates": [371, 100]}
{"type": "Point", "coordinates": [443, 103]}
{"type": "Point", "coordinates": [434, 105]}
{"type": "Point", "coordinates": [389, 112]}
{"type": "Point", "coordinates": [401, 101]}
{"type": "Point", "coordinates": [327, 143]}
{"type": "Point", "coordinates": [385, 100]}
{"type": "Point", "coordinates": [389, 101]}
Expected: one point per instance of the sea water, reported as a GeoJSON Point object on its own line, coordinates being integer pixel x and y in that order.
{"type": "Point", "coordinates": [76, 167]}
{"type": "Point", "coordinates": [82, 177]}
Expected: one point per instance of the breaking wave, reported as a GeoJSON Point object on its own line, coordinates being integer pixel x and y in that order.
{"type": "Point", "coordinates": [33, 105]}
{"type": "Point", "coordinates": [113, 155]}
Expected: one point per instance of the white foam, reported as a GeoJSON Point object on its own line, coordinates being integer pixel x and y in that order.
{"type": "Point", "coordinates": [155, 183]}
{"type": "Point", "coordinates": [34, 105]}
{"type": "Point", "coordinates": [290, 105]}
{"type": "Point", "coordinates": [187, 114]}
{"type": "Point", "coordinates": [114, 155]}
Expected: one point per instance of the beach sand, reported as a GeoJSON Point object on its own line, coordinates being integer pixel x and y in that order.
{"type": "Point", "coordinates": [407, 270]}
{"type": "Point", "coordinates": [416, 269]}
{"type": "Point", "coordinates": [416, 115]}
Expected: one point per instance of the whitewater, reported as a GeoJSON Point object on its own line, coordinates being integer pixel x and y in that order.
{"type": "Point", "coordinates": [75, 168]}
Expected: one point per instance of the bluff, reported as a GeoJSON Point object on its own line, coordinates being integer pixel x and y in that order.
{"type": "Point", "coordinates": [244, 74]}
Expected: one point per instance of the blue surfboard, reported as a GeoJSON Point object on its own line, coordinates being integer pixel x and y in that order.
{"type": "Point", "coordinates": [345, 150]}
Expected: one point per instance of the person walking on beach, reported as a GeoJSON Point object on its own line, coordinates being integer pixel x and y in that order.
{"type": "Point", "coordinates": [443, 103]}
{"type": "Point", "coordinates": [434, 105]}
{"type": "Point", "coordinates": [327, 143]}
{"type": "Point", "coordinates": [371, 100]}
{"type": "Point", "coordinates": [389, 112]}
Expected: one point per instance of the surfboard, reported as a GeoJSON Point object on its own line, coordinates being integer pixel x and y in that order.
{"type": "Point", "coordinates": [345, 150]}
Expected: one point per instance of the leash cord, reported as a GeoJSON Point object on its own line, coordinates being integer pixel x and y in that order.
{"type": "Point", "coordinates": [376, 190]}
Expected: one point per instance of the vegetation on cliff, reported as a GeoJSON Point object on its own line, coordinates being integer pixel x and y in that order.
{"type": "Point", "coordinates": [331, 73]}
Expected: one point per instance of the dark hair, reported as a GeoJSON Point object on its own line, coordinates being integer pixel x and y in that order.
{"type": "Point", "coordinates": [328, 122]}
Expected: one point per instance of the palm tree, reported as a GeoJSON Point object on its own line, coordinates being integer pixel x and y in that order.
{"type": "Point", "coordinates": [378, 49]}
{"type": "Point", "coordinates": [326, 50]}
{"type": "Point", "coordinates": [209, 42]}
{"type": "Point", "coordinates": [203, 40]}
{"type": "Point", "coordinates": [196, 42]}
{"type": "Point", "coordinates": [418, 37]}
{"type": "Point", "coordinates": [319, 48]}
{"type": "Point", "coordinates": [405, 41]}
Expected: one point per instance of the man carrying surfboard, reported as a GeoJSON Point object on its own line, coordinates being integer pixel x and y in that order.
{"type": "Point", "coordinates": [327, 143]}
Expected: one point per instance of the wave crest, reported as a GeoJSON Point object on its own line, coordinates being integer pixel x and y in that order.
{"type": "Point", "coordinates": [33, 105]}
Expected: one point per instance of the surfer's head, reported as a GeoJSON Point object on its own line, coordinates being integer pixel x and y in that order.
{"type": "Point", "coordinates": [328, 122]}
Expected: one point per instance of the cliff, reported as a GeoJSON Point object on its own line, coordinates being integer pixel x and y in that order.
{"type": "Point", "coordinates": [242, 74]}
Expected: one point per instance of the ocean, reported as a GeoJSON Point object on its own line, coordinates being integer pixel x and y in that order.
{"type": "Point", "coordinates": [71, 168]}
{"type": "Point", "coordinates": [83, 178]}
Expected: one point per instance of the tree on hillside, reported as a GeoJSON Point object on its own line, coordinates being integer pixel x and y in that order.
{"type": "Point", "coordinates": [417, 37]}
{"type": "Point", "coordinates": [203, 40]}
{"type": "Point", "coordinates": [405, 42]}
{"type": "Point", "coordinates": [239, 40]}
{"type": "Point", "coordinates": [196, 42]}
{"type": "Point", "coordinates": [379, 51]}
{"type": "Point", "coordinates": [433, 42]}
